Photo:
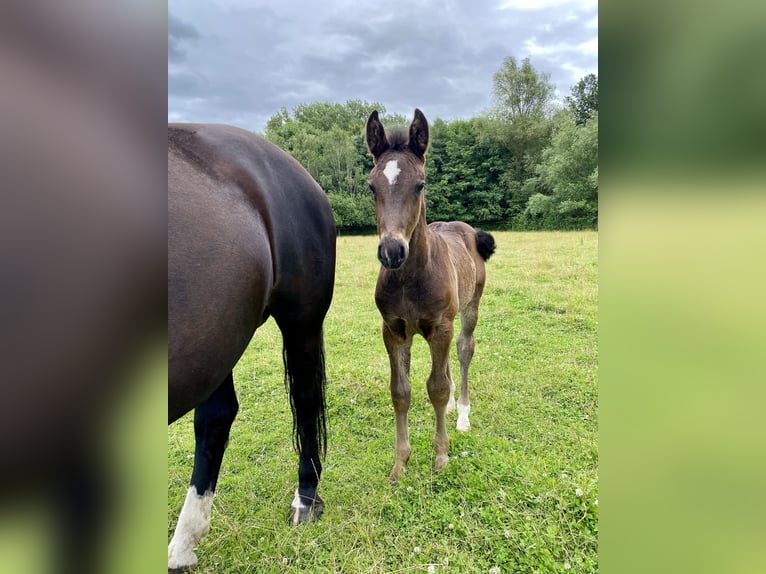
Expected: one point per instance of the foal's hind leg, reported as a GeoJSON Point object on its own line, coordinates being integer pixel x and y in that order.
{"type": "Point", "coordinates": [465, 348]}
{"type": "Point", "coordinates": [212, 422]}
{"type": "Point", "coordinates": [305, 374]}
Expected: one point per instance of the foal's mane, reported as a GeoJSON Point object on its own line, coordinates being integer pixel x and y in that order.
{"type": "Point", "coordinates": [398, 138]}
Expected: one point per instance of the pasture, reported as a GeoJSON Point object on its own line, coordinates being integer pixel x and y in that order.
{"type": "Point", "coordinates": [520, 493]}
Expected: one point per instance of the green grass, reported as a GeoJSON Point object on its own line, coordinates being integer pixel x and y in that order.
{"type": "Point", "coordinates": [520, 493]}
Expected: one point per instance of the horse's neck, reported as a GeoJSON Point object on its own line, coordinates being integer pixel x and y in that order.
{"type": "Point", "coordinates": [420, 248]}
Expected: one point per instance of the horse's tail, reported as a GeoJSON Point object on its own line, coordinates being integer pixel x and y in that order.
{"type": "Point", "coordinates": [305, 380]}
{"type": "Point", "coordinates": [485, 244]}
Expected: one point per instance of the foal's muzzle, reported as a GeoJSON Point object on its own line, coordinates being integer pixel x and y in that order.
{"type": "Point", "coordinates": [392, 252]}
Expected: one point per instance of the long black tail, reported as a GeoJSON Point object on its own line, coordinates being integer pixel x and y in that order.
{"type": "Point", "coordinates": [305, 379]}
{"type": "Point", "coordinates": [485, 244]}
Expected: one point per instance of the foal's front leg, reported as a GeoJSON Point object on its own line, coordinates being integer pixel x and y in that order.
{"type": "Point", "coordinates": [439, 388]}
{"type": "Point", "coordinates": [398, 348]}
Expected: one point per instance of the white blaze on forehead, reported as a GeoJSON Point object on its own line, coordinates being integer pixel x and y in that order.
{"type": "Point", "coordinates": [392, 171]}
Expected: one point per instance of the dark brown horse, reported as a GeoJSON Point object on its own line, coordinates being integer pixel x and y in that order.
{"type": "Point", "coordinates": [429, 273]}
{"type": "Point", "coordinates": [250, 235]}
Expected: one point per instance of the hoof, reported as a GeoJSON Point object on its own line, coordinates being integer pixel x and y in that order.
{"type": "Point", "coordinates": [182, 570]}
{"type": "Point", "coordinates": [301, 513]}
{"type": "Point", "coordinates": [463, 424]}
{"type": "Point", "coordinates": [398, 472]}
{"type": "Point", "coordinates": [441, 462]}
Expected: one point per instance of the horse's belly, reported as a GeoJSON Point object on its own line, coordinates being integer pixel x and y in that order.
{"type": "Point", "coordinates": [219, 280]}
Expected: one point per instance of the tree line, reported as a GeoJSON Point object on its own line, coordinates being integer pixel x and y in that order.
{"type": "Point", "coordinates": [524, 164]}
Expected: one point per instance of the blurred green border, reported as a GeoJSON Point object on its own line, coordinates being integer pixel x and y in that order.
{"type": "Point", "coordinates": [682, 260]}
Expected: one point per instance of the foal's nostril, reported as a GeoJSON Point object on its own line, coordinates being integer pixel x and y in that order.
{"type": "Point", "coordinates": [392, 252]}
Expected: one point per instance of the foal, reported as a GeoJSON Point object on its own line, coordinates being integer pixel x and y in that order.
{"type": "Point", "coordinates": [429, 273]}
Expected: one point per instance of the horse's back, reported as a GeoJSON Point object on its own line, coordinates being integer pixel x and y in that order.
{"type": "Point", "coordinates": [461, 241]}
{"type": "Point", "coordinates": [294, 208]}
{"type": "Point", "coordinates": [245, 223]}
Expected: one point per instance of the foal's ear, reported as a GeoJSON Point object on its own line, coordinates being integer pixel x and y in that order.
{"type": "Point", "coordinates": [376, 135]}
{"type": "Point", "coordinates": [418, 143]}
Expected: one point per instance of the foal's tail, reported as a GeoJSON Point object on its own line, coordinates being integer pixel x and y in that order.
{"type": "Point", "coordinates": [485, 244]}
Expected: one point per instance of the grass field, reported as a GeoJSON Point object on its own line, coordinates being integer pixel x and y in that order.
{"type": "Point", "coordinates": [520, 493]}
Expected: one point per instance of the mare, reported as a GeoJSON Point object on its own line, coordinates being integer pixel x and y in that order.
{"type": "Point", "coordinates": [429, 273]}
{"type": "Point", "coordinates": [250, 235]}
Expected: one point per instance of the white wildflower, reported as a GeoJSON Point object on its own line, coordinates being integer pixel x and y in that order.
{"type": "Point", "coordinates": [431, 569]}
{"type": "Point", "coordinates": [578, 492]}
{"type": "Point", "coordinates": [494, 570]}
{"type": "Point", "coordinates": [567, 565]}
{"type": "Point", "coordinates": [451, 526]}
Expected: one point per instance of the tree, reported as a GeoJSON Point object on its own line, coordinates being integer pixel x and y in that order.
{"type": "Point", "coordinates": [327, 139]}
{"type": "Point", "coordinates": [464, 173]}
{"type": "Point", "coordinates": [584, 99]}
{"type": "Point", "coordinates": [520, 92]}
{"type": "Point", "coordinates": [519, 122]}
{"type": "Point", "coordinates": [516, 164]}
{"type": "Point", "coordinates": [568, 174]}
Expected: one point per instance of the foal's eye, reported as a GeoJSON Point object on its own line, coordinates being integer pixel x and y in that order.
{"type": "Point", "coordinates": [421, 186]}
{"type": "Point", "coordinates": [372, 188]}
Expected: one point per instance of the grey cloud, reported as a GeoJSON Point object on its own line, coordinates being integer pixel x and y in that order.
{"type": "Point", "coordinates": [240, 62]}
{"type": "Point", "coordinates": [178, 33]}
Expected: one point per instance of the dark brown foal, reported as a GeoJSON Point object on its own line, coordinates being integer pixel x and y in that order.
{"type": "Point", "coordinates": [429, 273]}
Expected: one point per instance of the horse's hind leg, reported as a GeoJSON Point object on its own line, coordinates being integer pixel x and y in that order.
{"type": "Point", "coordinates": [305, 376]}
{"type": "Point", "coordinates": [465, 348]}
{"type": "Point", "coordinates": [212, 422]}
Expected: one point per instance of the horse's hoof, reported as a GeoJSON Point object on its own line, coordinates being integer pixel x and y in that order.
{"type": "Point", "coordinates": [183, 559]}
{"type": "Point", "coordinates": [441, 462]}
{"type": "Point", "coordinates": [301, 513]}
{"type": "Point", "coordinates": [463, 424]}
{"type": "Point", "coordinates": [397, 473]}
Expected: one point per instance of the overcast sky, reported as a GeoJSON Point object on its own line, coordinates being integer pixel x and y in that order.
{"type": "Point", "coordinates": [239, 61]}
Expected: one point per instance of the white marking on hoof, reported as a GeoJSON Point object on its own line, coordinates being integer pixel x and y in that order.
{"type": "Point", "coordinates": [463, 424]}
{"type": "Point", "coordinates": [297, 506]}
{"type": "Point", "coordinates": [193, 524]}
{"type": "Point", "coordinates": [392, 171]}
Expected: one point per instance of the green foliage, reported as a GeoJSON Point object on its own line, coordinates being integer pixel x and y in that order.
{"type": "Point", "coordinates": [568, 173]}
{"type": "Point", "coordinates": [485, 170]}
{"type": "Point", "coordinates": [463, 174]}
{"type": "Point", "coordinates": [584, 99]}
{"type": "Point", "coordinates": [521, 91]}
{"type": "Point", "coordinates": [520, 493]}
{"type": "Point", "coordinates": [352, 212]}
